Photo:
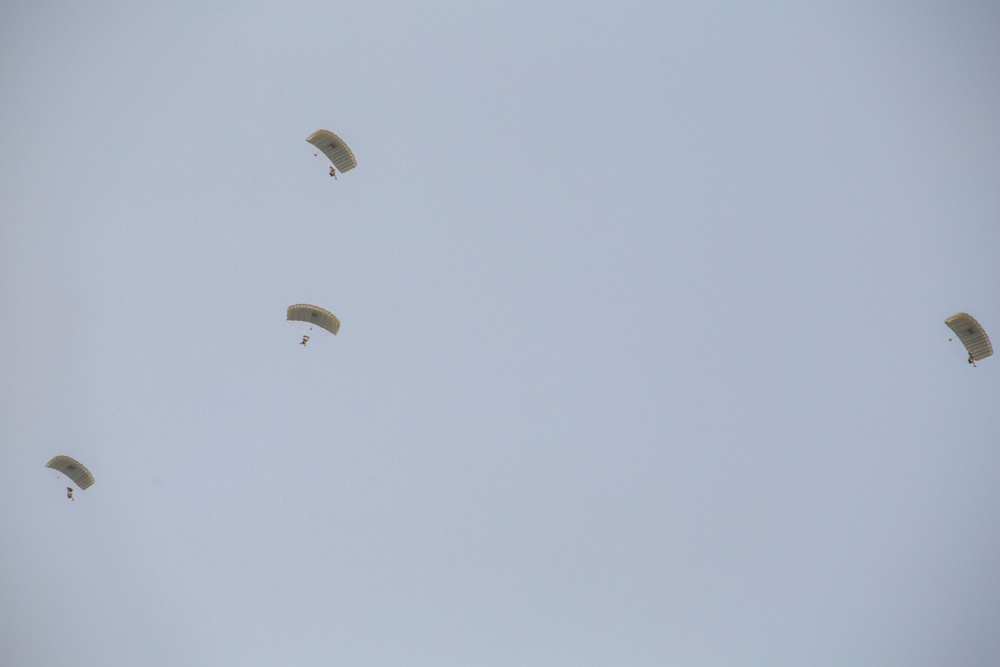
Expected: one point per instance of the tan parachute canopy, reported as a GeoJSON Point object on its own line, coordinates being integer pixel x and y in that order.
{"type": "Point", "coordinates": [303, 312]}
{"type": "Point", "coordinates": [334, 148]}
{"type": "Point", "coordinates": [73, 469]}
{"type": "Point", "coordinates": [972, 335]}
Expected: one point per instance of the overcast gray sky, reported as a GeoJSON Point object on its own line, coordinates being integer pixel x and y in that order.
{"type": "Point", "coordinates": [642, 357]}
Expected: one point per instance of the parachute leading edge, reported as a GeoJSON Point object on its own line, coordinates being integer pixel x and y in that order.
{"type": "Point", "coordinates": [972, 335]}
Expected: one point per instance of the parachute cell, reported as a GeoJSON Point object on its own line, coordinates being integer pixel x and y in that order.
{"type": "Point", "coordinates": [334, 148]}
{"type": "Point", "coordinates": [304, 312]}
{"type": "Point", "coordinates": [972, 335]}
{"type": "Point", "coordinates": [73, 469]}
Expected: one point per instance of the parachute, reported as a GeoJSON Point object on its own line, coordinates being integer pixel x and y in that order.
{"type": "Point", "coordinates": [73, 469]}
{"type": "Point", "coordinates": [334, 148]}
{"type": "Point", "coordinates": [972, 335]}
{"type": "Point", "coordinates": [303, 312]}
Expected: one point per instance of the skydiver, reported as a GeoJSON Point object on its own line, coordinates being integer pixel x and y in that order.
{"type": "Point", "coordinates": [305, 340]}
{"type": "Point", "coordinates": [69, 493]}
{"type": "Point", "coordinates": [972, 360]}
{"type": "Point", "coordinates": [333, 172]}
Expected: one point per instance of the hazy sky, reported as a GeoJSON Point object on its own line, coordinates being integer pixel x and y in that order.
{"type": "Point", "coordinates": [642, 359]}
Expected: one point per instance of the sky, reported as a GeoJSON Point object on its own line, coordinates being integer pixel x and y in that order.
{"type": "Point", "coordinates": [642, 358]}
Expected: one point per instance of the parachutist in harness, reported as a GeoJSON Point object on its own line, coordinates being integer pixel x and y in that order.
{"type": "Point", "coordinates": [305, 340]}
{"type": "Point", "coordinates": [333, 172]}
{"type": "Point", "coordinates": [972, 360]}
{"type": "Point", "coordinates": [69, 492]}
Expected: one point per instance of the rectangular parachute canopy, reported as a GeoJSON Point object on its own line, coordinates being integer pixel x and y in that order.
{"type": "Point", "coordinates": [334, 148]}
{"type": "Point", "coordinates": [73, 469]}
{"type": "Point", "coordinates": [306, 312]}
{"type": "Point", "coordinates": [972, 335]}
